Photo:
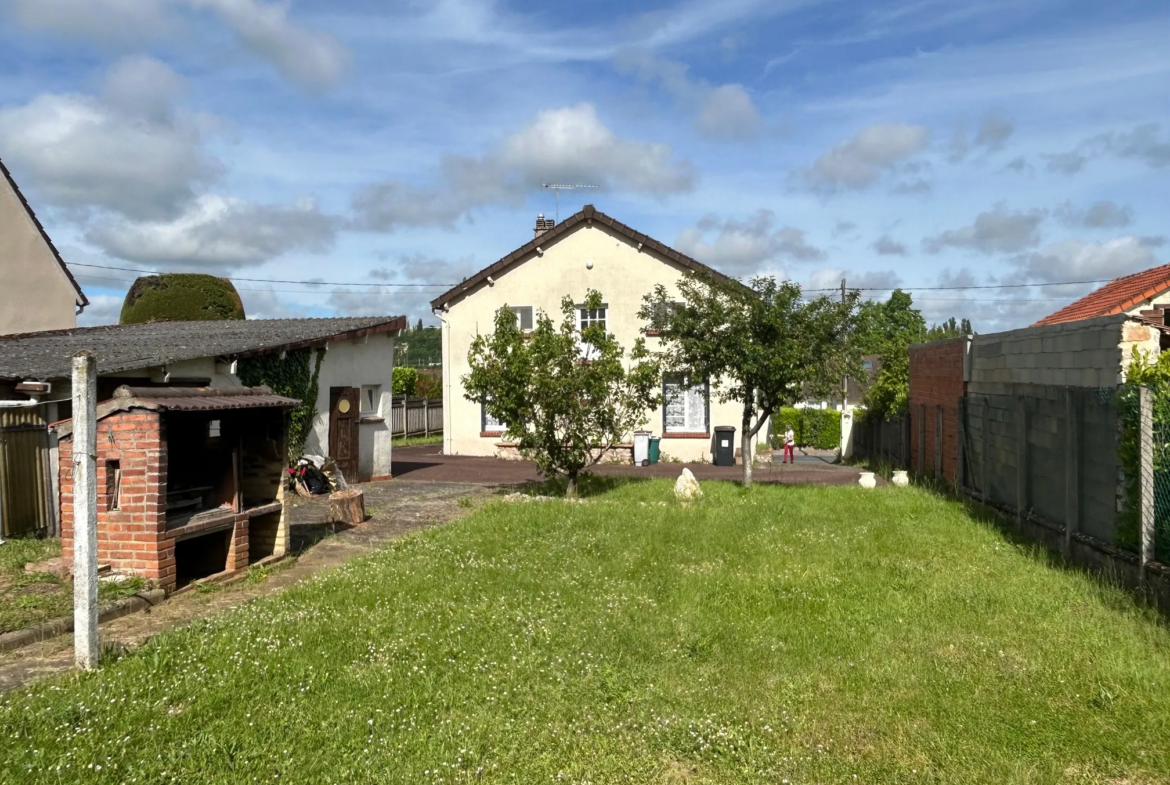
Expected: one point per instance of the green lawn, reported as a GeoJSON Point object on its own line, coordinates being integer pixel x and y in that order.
{"type": "Point", "coordinates": [31, 598]}
{"type": "Point", "coordinates": [809, 635]}
{"type": "Point", "coordinates": [416, 441]}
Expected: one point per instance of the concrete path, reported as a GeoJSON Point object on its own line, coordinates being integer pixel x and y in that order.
{"type": "Point", "coordinates": [395, 508]}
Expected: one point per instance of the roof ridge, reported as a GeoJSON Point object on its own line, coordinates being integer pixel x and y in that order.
{"type": "Point", "coordinates": [588, 214]}
{"type": "Point", "coordinates": [1114, 297]}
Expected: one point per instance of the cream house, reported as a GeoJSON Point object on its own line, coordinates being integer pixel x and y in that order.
{"type": "Point", "coordinates": [38, 291]}
{"type": "Point", "coordinates": [588, 250]}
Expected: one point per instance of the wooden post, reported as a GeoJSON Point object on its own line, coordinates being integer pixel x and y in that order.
{"type": "Point", "coordinates": [1021, 459]}
{"type": "Point", "coordinates": [921, 440]}
{"type": "Point", "coordinates": [1146, 480]}
{"type": "Point", "coordinates": [960, 443]}
{"type": "Point", "coordinates": [85, 579]}
{"type": "Point", "coordinates": [426, 420]}
{"type": "Point", "coordinates": [1072, 470]}
{"type": "Point", "coordinates": [938, 428]}
{"type": "Point", "coordinates": [985, 444]}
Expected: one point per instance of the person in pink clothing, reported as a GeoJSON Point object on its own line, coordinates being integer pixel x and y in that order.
{"type": "Point", "coordinates": [789, 446]}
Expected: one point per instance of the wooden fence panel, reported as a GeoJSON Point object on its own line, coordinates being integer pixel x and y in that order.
{"type": "Point", "coordinates": [416, 417]}
{"type": "Point", "coordinates": [25, 485]}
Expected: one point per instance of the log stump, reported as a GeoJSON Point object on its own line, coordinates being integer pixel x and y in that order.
{"type": "Point", "coordinates": [347, 506]}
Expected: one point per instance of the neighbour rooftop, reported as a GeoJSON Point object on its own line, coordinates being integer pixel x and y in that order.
{"type": "Point", "coordinates": [125, 347]}
{"type": "Point", "coordinates": [1118, 296]}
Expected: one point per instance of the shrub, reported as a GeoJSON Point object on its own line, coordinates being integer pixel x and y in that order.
{"type": "Point", "coordinates": [816, 428]}
{"type": "Point", "coordinates": [405, 382]}
{"type": "Point", "coordinates": [295, 375]}
{"type": "Point", "coordinates": [181, 297]}
{"type": "Point", "coordinates": [429, 385]}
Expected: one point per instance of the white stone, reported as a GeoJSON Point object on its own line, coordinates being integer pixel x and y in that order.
{"type": "Point", "coordinates": [867, 480]}
{"type": "Point", "coordinates": [686, 487]}
{"type": "Point", "coordinates": [900, 478]}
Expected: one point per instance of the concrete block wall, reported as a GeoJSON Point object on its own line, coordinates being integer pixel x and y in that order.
{"type": "Point", "coordinates": [1087, 353]}
{"type": "Point", "coordinates": [936, 382]}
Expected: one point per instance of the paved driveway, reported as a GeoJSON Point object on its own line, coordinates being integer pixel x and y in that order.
{"type": "Point", "coordinates": [428, 464]}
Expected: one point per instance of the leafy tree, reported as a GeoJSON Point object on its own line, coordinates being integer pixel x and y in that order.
{"type": "Point", "coordinates": [565, 397]}
{"type": "Point", "coordinates": [403, 382]}
{"type": "Point", "coordinates": [949, 329]}
{"type": "Point", "coordinates": [181, 297]}
{"type": "Point", "coordinates": [421, 347]}
{"type": "Point", "coordinates": [762, 344]}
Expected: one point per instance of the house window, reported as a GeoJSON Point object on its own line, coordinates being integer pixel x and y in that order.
{"type": "Point", "coordinates": [592, 316]}
{"type": "Point", "coordinates": [687, 408]}
{"type": "Point", "coordinates": [523, 316]}
{"type": "Point", "coordinates": [660, 312]}
{"type": "Point", "coordinates": [371, 399]}
{"type": "Point", "coordinates": [489, 424]}
{"type": "Point", "coordinates": [213, 429]}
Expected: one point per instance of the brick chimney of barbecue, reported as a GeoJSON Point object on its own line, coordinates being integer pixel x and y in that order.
{"type": "Point", "coordinates": [543, 225]}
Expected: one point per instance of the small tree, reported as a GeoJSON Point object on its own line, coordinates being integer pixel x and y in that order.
{"type": "Point", "coordinates": [564, 396]}
{"type": "Point", "coordinates": [762, 345]}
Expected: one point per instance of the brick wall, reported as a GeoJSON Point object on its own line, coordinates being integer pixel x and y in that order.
{"type": "Point", "coordinates": [936, 382]}
{"type": "Point", "coordinates": [131, 537]}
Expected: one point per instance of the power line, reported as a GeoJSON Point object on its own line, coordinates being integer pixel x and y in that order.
{"type": "Point", "coordinates": [91, 277]}
{"type": "Point", "coordinates": [957, 288]}
{"type": "Point", "coordinates": [269, 280]}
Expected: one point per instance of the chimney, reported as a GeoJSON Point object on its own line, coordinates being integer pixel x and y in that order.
{"type": "Point", "coordinates": [543, 225]}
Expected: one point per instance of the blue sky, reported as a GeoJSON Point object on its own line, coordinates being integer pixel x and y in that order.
{"type": "Point", "coordinates": [926, 144]}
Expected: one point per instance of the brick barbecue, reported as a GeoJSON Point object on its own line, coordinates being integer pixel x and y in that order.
{"type": "Point", "coordinates": [190, 481]}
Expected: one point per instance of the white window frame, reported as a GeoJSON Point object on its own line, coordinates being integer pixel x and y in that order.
{"type": "Point", "coordinates": [367, 400]}
{"type": "Point", "coordinates": [531, 312]}
{"type": "Point", "coordinates": [587, 317]}
{"type": "Point", "coordinates": [672, 387]}
{"type": "Point", "coordinates": [487, 424]}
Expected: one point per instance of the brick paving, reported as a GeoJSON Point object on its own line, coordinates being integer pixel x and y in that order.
{"type": "Point", "coordinates": [426, 463]}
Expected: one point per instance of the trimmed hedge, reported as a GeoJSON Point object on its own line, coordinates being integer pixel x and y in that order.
{"type": "Point", "coordinates": [819, 429]}
{"type": "Point", "coordinates": [405, 381]}
{"type": "Point", "coordinates": [181, 297]}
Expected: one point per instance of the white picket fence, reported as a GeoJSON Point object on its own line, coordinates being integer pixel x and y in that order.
{"type": "Point", "coordinates": [416, 416]}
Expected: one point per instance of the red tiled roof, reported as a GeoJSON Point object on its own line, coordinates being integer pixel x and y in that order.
{"type": "Point", "coordinates": [1118, 296]}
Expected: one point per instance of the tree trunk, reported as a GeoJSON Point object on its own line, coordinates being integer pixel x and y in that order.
{"type": "Point", "coordinates": [347, 506]}
{"type": "Point", "coordinates": [571, 488]}
{"type": "Point", "coordinates": [745, 444]}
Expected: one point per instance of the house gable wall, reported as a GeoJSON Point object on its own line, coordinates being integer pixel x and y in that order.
{"type": "Point", "coordinates": [621, 272]}
{"type": "Point", "coordinates": [36, 294]}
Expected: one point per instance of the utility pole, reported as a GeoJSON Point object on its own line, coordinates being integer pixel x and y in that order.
{"type": "Point", "coordinates": [845, 380]}
{"type": "Point", "coordinates": [85, 578]}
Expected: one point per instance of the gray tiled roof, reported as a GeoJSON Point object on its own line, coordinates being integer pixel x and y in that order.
{"type": "Point", "coordinates": [48, 355]}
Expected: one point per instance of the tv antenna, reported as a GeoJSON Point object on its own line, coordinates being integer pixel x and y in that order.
{"type": "Point", "coordinates": [556, 188]}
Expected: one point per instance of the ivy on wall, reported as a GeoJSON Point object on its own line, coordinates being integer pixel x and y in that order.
{"type": "Point", "coordinates": [290, 377]}
{"type": "Point", "coordinates": [1155, 375]}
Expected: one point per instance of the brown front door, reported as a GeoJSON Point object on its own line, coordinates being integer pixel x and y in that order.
{"type": "Point", "coordinates": [344, 406]}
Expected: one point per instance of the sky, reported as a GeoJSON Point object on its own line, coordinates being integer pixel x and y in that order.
{"type": "Point", "coordinates": [386, 150]}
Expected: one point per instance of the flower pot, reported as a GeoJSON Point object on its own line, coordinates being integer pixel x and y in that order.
{"type": "Point", "coordinates": [901, 479]}
{"type": "Point", "coordinates": [867, 480]}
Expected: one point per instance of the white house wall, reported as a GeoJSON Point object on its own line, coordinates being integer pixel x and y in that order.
{"type": "Point", "coordinates": [622, 274]}
{"type": "Point", "coordinates": [354, 363]}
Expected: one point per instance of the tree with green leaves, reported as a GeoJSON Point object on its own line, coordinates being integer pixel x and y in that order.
{"type": "Point", "coordinates": [762, 344]}
{"type": "Point", "coordinates": [564, 396]}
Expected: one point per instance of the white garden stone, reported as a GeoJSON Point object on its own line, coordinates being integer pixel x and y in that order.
{"type": "Point", "coordinates": [686, 487]}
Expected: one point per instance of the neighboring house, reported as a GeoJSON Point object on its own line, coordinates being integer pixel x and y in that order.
{"type": "Point", "coordinates": [37, 291]}
{"type": "Point", "coordinates": [1144, 296]}
{"type": "Point", "coordinates": [588, 250]}
{"type": "Point", "coordinates": [353, 399]}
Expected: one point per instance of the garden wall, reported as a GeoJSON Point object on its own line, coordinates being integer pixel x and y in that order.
{"type": "Point", "coordinates": [937, 382]}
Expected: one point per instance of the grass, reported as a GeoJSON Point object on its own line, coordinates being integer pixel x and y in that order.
{"type": "Point", "coordinates": [31, 598]}
{"type": "Point", "coordinates": [808, 635]}
{"type": "Point", "coordinates": [416, 441]}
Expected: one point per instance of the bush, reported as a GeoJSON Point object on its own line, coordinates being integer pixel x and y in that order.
{"type": "Point", "coordinates": [181, 297]}
{"type": "Point", "coordinates": [819, 429]}
{"type": "Point", "coordinates": [429, 385]}
{"type": "Point", "coordinates": [405, 382]}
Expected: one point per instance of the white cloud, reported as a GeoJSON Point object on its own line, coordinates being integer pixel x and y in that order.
{"type": "Point", "coordinates": [886, 246]}
{"type": "Point", "coordinates": [996, 231]}
{"type": "Point", "coordinates": [1142, 142]}
{"type": "Point", "coordinates": [743, 247]}
{"type": "Point", "coordinates": [875, 284]}
{"type": "Point", "coordinates": [1100, 215]}
{"type": "Point", "coordinates": [993, 133]}
{"type": "Point", "coordinates": [1072, 260]}
{"type": "Point", "coordinates": [218, 232]}
{"type": "Point", "coordinates": [104, 20]}
{"type": "Point", "coordinates": [725, 113]}
{"type": "Point", "coordinates": [130, 150]}
{"type": "Point", "coordinates": [102, 309]}
{"type": "Point", "coordinates": [858, 162]}
{"type": "Point", "coordinates": [567, 145]}
{"type": "Point", "coordinates": [311, 58]}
